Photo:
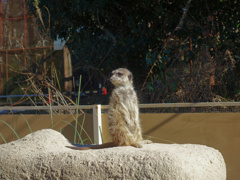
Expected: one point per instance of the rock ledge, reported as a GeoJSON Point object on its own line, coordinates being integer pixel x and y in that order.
{"type": "Point", "coordinates": [43, 155]}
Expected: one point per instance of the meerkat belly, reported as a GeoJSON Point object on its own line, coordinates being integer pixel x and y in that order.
{"type": "Point", "coordinates": [130, 111]}
{"type": "Point", "coordinates": [124, 125]}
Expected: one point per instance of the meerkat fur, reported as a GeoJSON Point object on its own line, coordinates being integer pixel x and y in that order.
{"type": "Point", "coordinates": [123, 114]}
{"type": "Point", "coordinates": [124, 124]}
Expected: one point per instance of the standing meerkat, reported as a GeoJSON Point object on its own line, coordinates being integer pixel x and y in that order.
{"type": "Point", "coordinates": [124, 123]}
{"type": "Point", "coordinates": [123, 114]}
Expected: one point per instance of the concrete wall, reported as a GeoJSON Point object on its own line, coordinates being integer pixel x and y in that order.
{"type": "Point", "coordinates": [218, 130]}
{"type": "Point", "coordinates": [64, 123]}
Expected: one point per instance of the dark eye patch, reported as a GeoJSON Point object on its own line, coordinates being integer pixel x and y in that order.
{"type": "Point", "coordinates": [119, 74]}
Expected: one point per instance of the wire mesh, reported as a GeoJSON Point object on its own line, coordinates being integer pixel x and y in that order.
{"type": "Point", "coordinates": [22, 46]}
{"type": "Point", "coordinates": [210, 109]}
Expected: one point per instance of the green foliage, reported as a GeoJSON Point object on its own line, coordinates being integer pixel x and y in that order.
{"type": "Point", "coordinates": [91, 28]}
{"type": "Point", "coordinates": [141, 34]}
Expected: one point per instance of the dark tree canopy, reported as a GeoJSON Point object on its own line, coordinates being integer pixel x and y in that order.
{"type": "Point", "coordinates": [144, 34]}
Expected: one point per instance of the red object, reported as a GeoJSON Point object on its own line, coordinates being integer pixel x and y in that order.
{"type": "Point", "coordinates": [49, 99]}
{"type": "Point", "coordinates": [104, 91]}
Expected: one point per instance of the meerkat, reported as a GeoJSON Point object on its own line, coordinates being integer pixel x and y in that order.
{"type": "Point", "coordinates": [123, 114]}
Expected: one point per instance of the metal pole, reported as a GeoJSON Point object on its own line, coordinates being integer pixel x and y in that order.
{"type": "Point", "coordinates": [97, 124]}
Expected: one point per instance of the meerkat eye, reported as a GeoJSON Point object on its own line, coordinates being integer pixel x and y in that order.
{"type": "Point", "coordinates": [119, 74]}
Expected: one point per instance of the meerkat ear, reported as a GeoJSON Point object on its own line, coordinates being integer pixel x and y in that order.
{"type": "Point", "coordinates": [130, 77]}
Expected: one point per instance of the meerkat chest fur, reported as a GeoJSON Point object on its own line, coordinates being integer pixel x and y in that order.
{"type": "Point", "coordinates": [124, 124]}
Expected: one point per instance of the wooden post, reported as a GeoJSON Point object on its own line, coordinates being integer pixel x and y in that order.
{"type": "Point", "coordinates": [24, 25]}
{"type": "Point", "coordinates": [97, 124]}
{"type": "Point", "coordinates": [1, 22]}
{"type": "Point", "coordinates": [44, 62]}
{"type": "Point", "coordinates": [25, 61]}
{"type": "Point", "coordinates": [67, 65]}
{"type": "Point", "coordinates": [191, 76]}
{"type": "Point", "coordinates": [1, 77]}
{"type": "Point", "coordinates": [1, 65]}
{"type": "Point", "coordinates": [24, 35]}
{"type": "Point", "coordinates": [6, 66]}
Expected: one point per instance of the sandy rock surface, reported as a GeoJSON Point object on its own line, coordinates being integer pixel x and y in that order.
{"type": "Point", "coordinates": [43, 155]}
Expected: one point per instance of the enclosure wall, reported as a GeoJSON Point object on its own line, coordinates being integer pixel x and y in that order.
{"type": "Point", "coordinates": [218, 130]}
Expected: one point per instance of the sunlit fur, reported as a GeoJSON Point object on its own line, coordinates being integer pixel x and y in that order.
{"type": "Point", "coordinates": [124, 124]}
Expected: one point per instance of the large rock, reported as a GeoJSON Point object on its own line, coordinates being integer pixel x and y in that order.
{"type": "Point", "coordinates": [43, 155]}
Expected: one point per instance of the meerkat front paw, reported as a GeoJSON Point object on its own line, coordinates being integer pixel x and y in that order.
{"type": "Point", "coordinates": [137, 145]}
{"type": "Point", "coordinates": [146, 142]}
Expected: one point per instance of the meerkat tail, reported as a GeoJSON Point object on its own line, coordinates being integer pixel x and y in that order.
{"type": "Point", "coordinates": [101, 146]}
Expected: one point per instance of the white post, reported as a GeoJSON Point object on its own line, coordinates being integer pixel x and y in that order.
{"type": "Point", "coordinates": [97, 124]}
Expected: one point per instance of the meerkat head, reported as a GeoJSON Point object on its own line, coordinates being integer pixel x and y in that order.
{"type": "Point", "coordinates": [121, 77]}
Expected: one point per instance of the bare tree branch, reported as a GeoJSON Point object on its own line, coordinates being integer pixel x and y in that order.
{"type": "Point", "coordinates": [180, 24]}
